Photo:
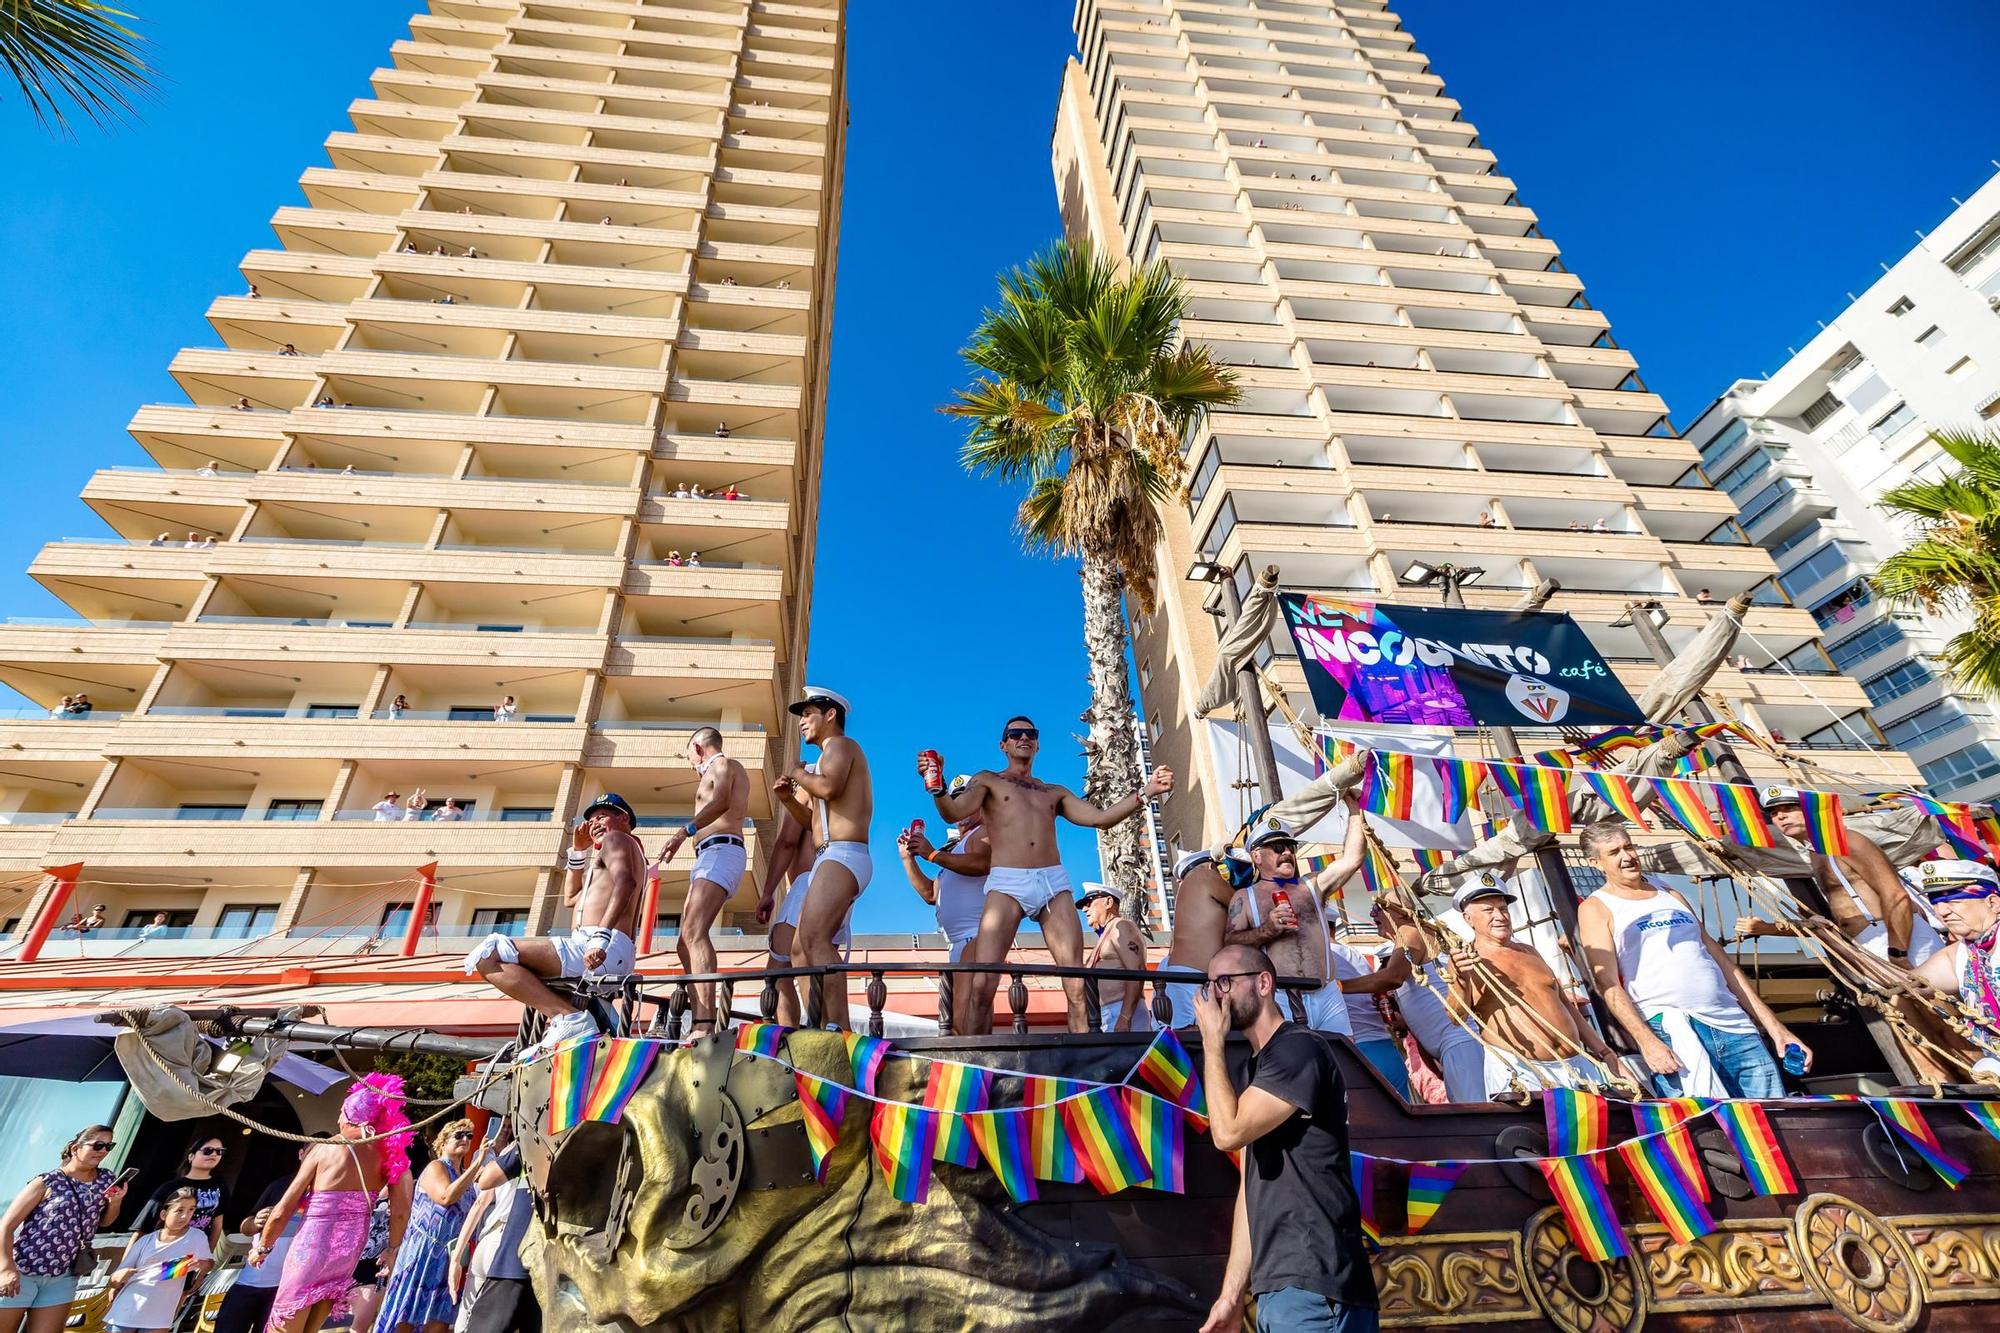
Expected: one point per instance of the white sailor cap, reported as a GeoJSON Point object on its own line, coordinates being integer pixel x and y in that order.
{"type": "Point", "coordinates": [1943, 878]}
{"type": "Point", "coordinates": [1269, 828]}
{"type": "Point", "coordinates": [1092, 889]}
{"type": "Point", "coordinates": [1775, 797]}
{"type": "Point", "coordinates": [1485, 884]}
{"type": "Point", "coordinates": [1189, 860]}
{"type": "Point", "coordinates": [815, 694]}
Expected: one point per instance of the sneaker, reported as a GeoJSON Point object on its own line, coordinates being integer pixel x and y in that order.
{"type": "Point", "coordinates": [574, 1026]}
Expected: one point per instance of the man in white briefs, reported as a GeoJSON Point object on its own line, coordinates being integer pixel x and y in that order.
{"type": "Point", "coordinates": [1123, 1006]}
{"type": "Point", "coordinates": [843, 805]}
{"type": "Point", "coordinates": [1019, 813]}
{"type": "Point", "coordinates": [721, 807]}
{"type": "Point", "coordinates": [790, 869]}
{"type": "Point", "coordinates": [958, 894]}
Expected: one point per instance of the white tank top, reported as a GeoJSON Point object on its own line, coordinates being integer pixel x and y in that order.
{"type": "Point", "coordinates": [1664, 963]}
{"type": "Point", "coordinates": [1363, 1014]}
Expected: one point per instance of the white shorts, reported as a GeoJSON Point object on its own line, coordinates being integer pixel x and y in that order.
{"type": "Point", "coordinates": [1141, 1021]}
{"type": "Point", "coordinates": [853, 855]}
{"type": "Point", "coordinates": [1326, 1009]}
{"type": "Point", "coordinates": [1534, 1075]}
{"type": "Point", "coordinates": [620, 954]}
{"type": "Point", "coordinates": [719, 862]}
{"type": "Point", "coordinates": [958, 948]}
{"type": "Point", "coordinates": [1181, 994]}
{"type": "Point", "coordinates": [795, 907]}
{"type": "Point", "coordinates": [1034, 889]}
{"type": "Point", "coordinates": [961, 901]}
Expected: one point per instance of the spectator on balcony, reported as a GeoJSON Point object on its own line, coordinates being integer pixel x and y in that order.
{"type": "Point", "coordinates": [62, 708]}
{"type": "Point", "coordinates": [674, 559]}
{"type": "Point", "coordinates": [722, 430]}
{"type": "Point", "coordinates": [1705, 597]}
{"type": "Point", "coordinates": [1576, 525]}
{"type": "Point", "coordinates": [1742, 662]}
{"type": "Point", "coordinates": [732, 493]}
{"type": "Point", "coordinates": [695, 492]}
{"type": "Point", "coordinates": [207, 543]}
{"type": "Point", "coordinates": [253, 293]}
{"type": "Point", "coordinates": [409, 247]}
{"type": "Point", "coordinates": [161, 540]}
{"type": "Point", "coordinates": [1600, 525]}
{"type": "Point", "coordinates": [449, 813]}
{"type": "Point", "coordinates": [241, 405]}
{"type": "Point", "coordinates": [397, 707]}
{"type": "Point", "coordinates": [413, 809]}
{"type": "Point", "coordinates": [784, 284]}
{"type": "Point", "coordinates": [680, 490]}
{"type": "Point", "coordinates": [506, 710]}
{"type": "Point", "coordinates": [153, 927]}
{"type": "Point", "coordinates": [1486, 519]}
{"type": "Point", "coordinates": [472, 252]}
{"type": "Point", "coordinates": [347, 471]}
{"type": "Point", "coordinates": [325, 400]}
{"type": "Point", "coordinates": [729, 282]}
{"type": "Point", "coordinates": [389, 809]}
{"type": "Point", "coordinates": [79, 705]}
{"type": "Point", "coordinates": [694, 560]}
{"type": "Point", "coordinates": [288, 350]}
{"type": "Point", "coordinates": [95, 921]}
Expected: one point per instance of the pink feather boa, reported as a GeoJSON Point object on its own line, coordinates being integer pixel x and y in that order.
{"type": "Point", "coordinates": [376, 1104]}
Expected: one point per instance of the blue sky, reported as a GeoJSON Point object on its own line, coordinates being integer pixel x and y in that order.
{"type": "Point", "coordinates": [1717, 186]}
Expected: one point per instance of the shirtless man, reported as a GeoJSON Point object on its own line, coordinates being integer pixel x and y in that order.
{"type": "Point", "coordinates": [844, 798]}
{"type": "Point", "coordinates": [606, 871]}
{"type": "Point", "coordinates": [1027, 879]}
{"type": "Point", "coordinates": [1201, 914]}
{"type": "Point", "coordinates": [1118, 946]}
{"type": "Point", "coordinates": [1520, 1051]}
{"type": "Point", "coordinates": [721, 805]}
{"type": "Point", "coordinates": [1965, 895]}
{"type": "Point", "coordinates": [958, 893]}
{"type": "Point", "coordinates": [790, 869]}
{"type": "Point", "coordinates": [1867, 900]}
{"type": "Point", "coordinates": [1283, 915]}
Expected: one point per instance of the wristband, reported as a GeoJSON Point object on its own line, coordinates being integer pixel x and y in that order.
{"type": "Point", "coordinates": [577, 860]}
{"type": "Point", "coordinates": [688, 830]}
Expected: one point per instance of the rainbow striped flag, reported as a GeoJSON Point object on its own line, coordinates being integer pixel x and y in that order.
{"type": "Point", "coordinates": [1749, 1131]}
{"type": "Point", "coordinates": [1955, 822]}
{"type": "Point", "coordinates": [1361, 1167]}
{"type": "Point", "coordinates": [1428, 860]}
{"type": "Point", "coordinates": [1742, 819]}
{"type": "Point", "coordinates": [1986, 1115]}
{"type": "Point", "coordinates": [1668, 1120]}
{"type": "Point", "coordinates": [1051, 1152]}
{"type": "Point", "coordinates": [1112, 1156]}
{"type": "Point", "coordinates": [1002, 1137]}
{"type": "Point", "coordinates": [1429, 1183]}
{"type": "Point", "coordinates": [1378, 872]}
{"type": "Point", "coordinates": [1578, 1123]}
{"type": "Point", "coordinates": [1826, 830]}
{"type": "Point", "coordinates": [1169, 1068]}
{"type": "Point", "coordinates": [1458, 784]}
{"type": "Point", "coordinates": [569, 1085]}
{"type": "Point", "coordinates": [1989, 829]}
{"type": "Point", "coordinates": [1615, 790]}
{"type": "Point", "coordinates": [1681, 802]}
{"type": "Point", "coordinates": [954, 1089]}
{"type": "Point", "coordinates": [1908, 1122]}
{"type": "Point", "coordinates": [1157, 1123]}
{"type": "Point", "coordinates": [765, 1039]}
{"type": "Point", "coordinates": [905, 1137]}
{"type": "Point", "coordinates": [1657, 1167]}
{"type": "Point", "coordinates": [1604, 744]}
{"type": "Point", "coordinates": [1389, 786]}
{"type": "Point", "coordinates": [823, 1106]}
{"type": "Point", "coordinates": [1538, 786]}
{"type": "Point", "coordinates": [626, 1062]}
{"type": "Point", "coordinates": [1586, 1205]}
{"type": "Point", "coordinates": [175, 1268]}
{"type": "Point", "coordinates": [866, 1055]}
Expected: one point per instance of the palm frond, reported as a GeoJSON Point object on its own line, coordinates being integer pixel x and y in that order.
{"type": "Point", "coordinates": [72, 53]}
{"type": "Point", "coordinates": [1977, 453]}
{"type": "Point", "coordinates": [1973, 658]}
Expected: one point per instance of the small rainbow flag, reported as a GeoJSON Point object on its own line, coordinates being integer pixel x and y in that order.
{"type": "Point", "coordinates": [1002, 1137]}
{"type": "Point", "coordinates": [1105, 1142]}
{"type": "Point", "coordinates": [1826, 830]}
{"type": "Point", "coordinates": [1742, 818]}
{"type": "Point", "coordinates": [1389, 787]}
{"type": "Point", "coordinates": [624, 1066]}
{"type": "Point", "coordinates": [1051, 1152]}
{"type": "Point", "coordinates": [1361, 1167]}
{"type": "Point", "coordinates": [1749, 1131]}
{"type": "Point", "coordinates": [866, 1055]}
{"type": "Point", "coordinates": [1538, 787]}
{"type": "Point", "coordinates": [1169, 1068]}
{"type": "Point", "coordinates": [1429, 1183]}
{"type": "Point", "coordinates": [905, 1137]}
{"type": "Point", "coordinates": [954, 1089]}
{"type": "Point", "coordinates": [1332, 749]}
{"type": "Point", "coordinates": [1603, 744]}
{"type": "Point", "coordinates": [1578, 1123]}
{"type": "Point", "coordinates": [1989, 829]}
{"type": "Point", "coordinates": [1458, 784]}
{"type": "Point", "coordinates": [1681, 802]}
{"type": "Point", "coordinates": [175, 1268]}
{"type": "Point", "coordinates": [569, 1085]}
{"type": "Point", "coordinates": [1586, 1206]}
{"type": "Point", "coordinates": [822, 1106]}
{"type": "Point", "coordinates": [1428, 860]}
{"type": "Point", "coordinates": [1668, 1120]}
{"type": "Point", "coordinates": [1378, 872]}
{"type": "Point", "coordinates": [765, 1039]}
{"type": "Point", "coordinates": [1986, 1115]}
{"type": "Point", "coordinates": [1655, 1163]}
{"type": "Point", "coordinates": [1615, 790]}
{"type": "Point", "coordinates": [1909, 1124]}
{"type": "Point", "coordinates": [1157, 1123]}
{"type": "Point", "coordinates": [1955, 822]}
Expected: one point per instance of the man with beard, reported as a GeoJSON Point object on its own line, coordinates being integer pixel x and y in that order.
{"type": "Point", "coordinates": [1282, 914]}
{"type": "Point", "coordinates": [1863, 894]}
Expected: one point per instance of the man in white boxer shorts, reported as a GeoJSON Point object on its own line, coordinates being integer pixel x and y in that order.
{"type": "Point", "coordinates": [721, 810]}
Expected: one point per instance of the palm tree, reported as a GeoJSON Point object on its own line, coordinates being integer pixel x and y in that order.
{"type": "Point", "coordinates": [1082, 390]}
{"type": "Point", "coordinates": [1953, 563]}
{"type": "Point", "coordinates": [76, 53]}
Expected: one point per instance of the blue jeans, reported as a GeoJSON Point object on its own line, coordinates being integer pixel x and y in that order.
{"type": "Point", "coordinates": [38, 1293]}
{"type": "Point", "coordinates": [1296, 1310]}
{"type": "Point", "coordinates": [1741, 1059]}
{"type": "Point", "coordinates": [1387, 1057]}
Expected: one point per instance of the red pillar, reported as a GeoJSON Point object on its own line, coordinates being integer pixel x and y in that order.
{"type": "Point", "coordinates": [58, 899]}
{"type": "Point", "coordinates": [420, 911]}
{"type": "Point", "coordinates": [649, 909]}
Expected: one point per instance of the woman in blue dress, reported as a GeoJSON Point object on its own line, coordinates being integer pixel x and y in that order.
{"type": "Point", "coordinates": [418, 1299]}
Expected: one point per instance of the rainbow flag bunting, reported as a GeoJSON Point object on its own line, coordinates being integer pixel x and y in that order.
{"type": "Point", "coordinates": [1826, 830]}
{"type": "Point", "coordinates": [1916, 1133]}
{"type": "Point", "coordinates": [1656, 1164]}
{"type": "Point", "coordinates": [765, 1039]}
{"type": "Point", "coordinates": [1986, 1115]}
{"type": "Point", "coordinates": [1742, 818]}
{"type": "Point", "coordinates": [1538, 786]}
{"type": "Point", "coordinates": [1955, 822]}
{"type": "Point", "coordinates": [1002, 1137]}
{"type": "Point", "coordinates": [1577, 1122]}
{"type": "Point", "coordinates": [1429, 1183]}
{"type": "Point", "coordinates": [626, 1062]}
{"type": "Point", "coordinates": [1362, 1168]}
{"type": "Point", "coordinates": [905, 1138]}
{"type": "Point", "coordinates": [1681, 802]}
{"type": "Point", "coordinates": [1458, 783]}
{"type": "Point", "coordinates": [1604, 744]}
{"type": "Point", "coordinates": [1586, 1205]}
{"type": "Point", "coordinates": [1389, 787]}
{"type": "Point", "coordinates": [1668, 1120]}
{"type": "Point", "coordinates": [1051, 1153]}
{"type": "Point", "coordinates": [1157, 1123]}
{"type": "Point", "coordinates": [1105, 1142]}
{"type": "Point", "coordinates": [953, 1090]}
{"type": "Point", "coordinates": [866, 1055]}
{"type": "Point", "coordinates": [1169, 1068]}
{"type": "Point", "coordinates": [175, 1268]}
{"type": "Point", "coordinates": [1378, 872]}
{"type": "Point", "coordinates": [1332, 749]}
{"type": "Point", "coordinates": [1615, 790]}
{"type": "Point", "coordinates": [569, 1085]}
{"type": "Point", "coordinates": [823, 1106]}
{"type": "Point", "coordinates": [1749, 1131]}
{"type": "Point", "coordinates": [1429, 860]}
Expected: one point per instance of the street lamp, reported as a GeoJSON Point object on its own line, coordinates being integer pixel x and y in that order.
{"type": "Point", "coordinates": [1205, 571]}
{"type": "Point", "coordinates": [1655, 614]}
{"type": "Point", "coordinates": [1447, 578]}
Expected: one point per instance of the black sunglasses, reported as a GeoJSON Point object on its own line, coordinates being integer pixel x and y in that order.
{"type": "Point", "coordinates": [100, 1145]}
{"type": "Point", "coordinates": [1024, 733]}
{"type": "Point", "coordinates": [463, 1134]}
{"type": "Point", "coordinates": [204, 1152]}
{"type": "Point", "coordinates": [1220, 985]}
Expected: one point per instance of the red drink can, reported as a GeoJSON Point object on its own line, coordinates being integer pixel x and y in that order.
{"type": "Point", "coordinates": [930, 764]}
{"type": "Point", "coordinates": [916, 826]}
{"type": "Point", "coordinates": [1280, 898]}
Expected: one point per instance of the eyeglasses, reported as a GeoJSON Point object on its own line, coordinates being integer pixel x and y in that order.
{"type": "Point", "coordinates": [1024, 733]}
{"type": "Point", "coordinates": [1279, 846]}
{"type": "Point", "coordinates": [1220, 985]}
{"type": "Point", "coordinates": [208, 1152]}
{"type": "Point", "coordinates": [100, 1145]}
{"type": "Point", "coordinates": [462, 1134]}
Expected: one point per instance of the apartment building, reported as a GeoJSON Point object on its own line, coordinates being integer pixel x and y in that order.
{"type": "Point", "coordinates": [1808, 450]}
{"type": "Point", "coordinates": [426, 521]}
{"type": "Point", "coordinates": [1423, 381]}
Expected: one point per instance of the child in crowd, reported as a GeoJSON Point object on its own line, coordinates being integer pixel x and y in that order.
{"type": "Point", "coordinates": [153, 1273]}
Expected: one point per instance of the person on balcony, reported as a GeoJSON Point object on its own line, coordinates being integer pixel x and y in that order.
{"type": "Point", "coordinates": [212, 468]}
{"type": "Point", "coordinates": [1119, 945]}
{"type": "Point", "coordinates": [389, 809]}
{"type": "Point", "coordinates": [414, 807]}
{"type": "Point", "coordinates": [397, 707]}
{"type": "Point", "coordinates": [451, 812]}
{"type": "Point", "coordinates": [506, 710]}
{"type": "Point", "coordinates": [721, 811]}
{"type": "Point", "coordinates": [693, 560]}
{"type": "Point", "coordinates": [722, 430]}
{"type": "Point", "coordinates": [732, 493]}
{"type": "Point", "coordinates": [843, 805]}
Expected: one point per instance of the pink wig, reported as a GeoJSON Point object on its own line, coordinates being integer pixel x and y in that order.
{"type": "Point", "coordinates": [375, 1103]}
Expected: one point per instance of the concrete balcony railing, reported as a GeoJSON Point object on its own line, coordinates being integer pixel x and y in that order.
{"type": "Point", "coordinates": [392, 424]}
{"type": "Point", "coordinates": [107, 841]}
{"type": "Point", "coordinates": [366, 740]}
{"type": "Point", "coordinates": [274, 638]}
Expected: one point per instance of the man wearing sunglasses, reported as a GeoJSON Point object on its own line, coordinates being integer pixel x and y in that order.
{"type": "Point", "coordinates": [1018, 811]}
{"type": "Point", "coordinates": [1296, 1243]}
{"type": "Point", "coordinates": [1965, 895]}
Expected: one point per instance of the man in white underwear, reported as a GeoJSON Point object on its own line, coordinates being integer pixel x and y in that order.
{"type": "Point", "coordinates": [1123, 1004]}
{"type": "Point", "coordinates": [606, 869]}
{"type": "Point", "coordinates": [790, 870]}
{"type": "Point", "coordinates": [721, 809]}
{"type": "Point", "coordinates": [959, 892]}
{"type": "Point", "coordinates": [1019, 813]}
{"type": "Point", "coordinates": [1866, 899]}
{"type": "Point", "coordinates": [1201, 914]}
{"type": "Point", "coordinates": [1965, 895]}
{"type": "Point", "coordinates": [843, 805]}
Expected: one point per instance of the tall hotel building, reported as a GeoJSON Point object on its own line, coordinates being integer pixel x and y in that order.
{"type": "Point", "coordinates": [572, 258]}
{"type": "Point", "coordinates": [1413, 356]}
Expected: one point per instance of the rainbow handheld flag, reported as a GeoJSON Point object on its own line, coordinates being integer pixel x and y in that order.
{"type": "Point", "coordinates": [1601, 745]}
{"type": "Point", "coordinates": [1663, 1119]}
{"type": "Point", "coordinates": [1742, 819]}
{"type": "Point", "coordinates": [1378, 872]}
{"type": "Point", "coordinates": [1157, 1124]}
{"type": "Point", "coordinates": [1826, 830]}
{"type": "Point", "coordinates": [765, 1039]}
{"type": "Point", "coordinates": [1656, 1165]}
{"type": "Point", "coordinates": [1429, 1183]}
{"type": "Point", "coordinates": [1458, 785]}
{"type": "Point", "coordinates": [1361, 1167]}
{"type": "Point", "coordinates": [1681, 802]}
{"type": "Point", "coordinates": [1910, 1126]}
{"type": "Point", "coordinates": [1389, 786]}
{"type": "Point", "coordinates": [1749, 1131]}
{"type": "Point", "coordinates": [1577, 1122]}
{"type": "Point", "coordinates": [905, 1137]}
{"type": "Point", "coordinates": [1615, 790]}
{"type": "Point", "coordinates": [1986, 1115]}
{"type": "Point", "coordinates": [569, 1085]}
{"type": "Point", "coordinates": [1168, 1067]}
{"type": "Point", "coordinates": [1051, 1153]}
{"type": "Point", "coordinates": [1989, 829]}
{"type": "Point", "coordinates": [866, 1055]}
{"type": "Point", "coordinates": [175, 1268]}
{"type": "Point", "coordinates": [1002, 1137]}
{"type": "Point", "coordinates": [623, 1067]}
{"type": "Point", "coordinates": [822, 1106]}
{"type": "Point", "coordinates": [954, 1089]}
{"type": "Point", "coordinates": [1105, 1141]}
{"type": "Point", "coordinates": [1586, 1205]}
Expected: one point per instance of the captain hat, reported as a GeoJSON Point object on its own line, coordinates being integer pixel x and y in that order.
{"type": "Point", "coordinates": [1485, 884]}
{"type": "Point", "coordinates": [1092, 889]}
{"type": "Point", "coordinates": [1268, 828]}
{"type": "Point", "coordinates": [1775, 797]}
{"type": "Point", "coordinates": [1943, 878]}
{"type": "Point", "coordinates": [815, 694]}
{"type": "Point", "coordinates": [1189, 860]}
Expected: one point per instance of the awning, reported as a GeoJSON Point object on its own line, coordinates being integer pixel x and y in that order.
{"type": "Point", "coordinates": [78, 1049]}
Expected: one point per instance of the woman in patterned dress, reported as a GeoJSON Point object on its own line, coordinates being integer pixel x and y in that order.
{"type": "Point", "coordinates": [47, 1226]}
{"type": "Point", "coordinates": [419, 1296]}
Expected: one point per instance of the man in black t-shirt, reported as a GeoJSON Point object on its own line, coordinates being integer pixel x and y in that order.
{"type": "Point", "coordinates": [1296, 1244]}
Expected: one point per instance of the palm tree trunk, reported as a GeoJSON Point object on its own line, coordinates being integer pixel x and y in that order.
{"type": "Point", "coordinates": [1111, 768]}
